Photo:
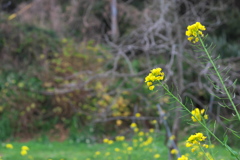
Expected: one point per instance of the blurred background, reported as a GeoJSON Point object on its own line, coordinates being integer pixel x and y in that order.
{"type": "Point", "coordinates": [75, 69]}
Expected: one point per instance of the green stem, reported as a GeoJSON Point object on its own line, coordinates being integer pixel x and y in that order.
{"type": "Point", "coordinates": [220, 78]}
{"type": "Point", "coordinates": [199, 121]}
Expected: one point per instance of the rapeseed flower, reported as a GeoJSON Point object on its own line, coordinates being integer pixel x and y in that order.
{"type": "Point", "coordinates": [183, 158]}
{"type": "Point", "coordinates": [129, 148]}
{"type": "Point", "coordinates": [117, 149]}
{"type": "Point", "coordinates": [156, 156]}
{"type": "Point", "coordinates": [133, 125]}
{"type": "Point", "coordinates": [174, 151]}
{"type": "Point", "coordinates": [23, 152]}
{"type": "Point", "coordinates": [195, 139]}
{"type": "Point", "coordinates": [105, 140]}
{"type": "Point", "coordinates": [155, 75]}
{"type": "Point", "coordinates": [9, 146]}
{"type": "Point", "coordinates": [97, 153]}
{"type": "Point", "coordinates": [194, 32]}
{"type": "Point", "coordinates": [120, 138]}
{"type": "Point", "coordinates": [198, 115]}
{"type": "Point", "coordinates": [110, 142]}
{"type": "Point", "coordinates": [25, 148]}
{"type": "Point", "coordinates": [154, 121]}
{"type": "Point", "coordinates": [137, 115]}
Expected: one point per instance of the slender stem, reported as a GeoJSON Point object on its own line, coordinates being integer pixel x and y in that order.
{"type": "Point", "coordinates": [199, 121]}
{"type": "Point", "coordinates": [220, 78]}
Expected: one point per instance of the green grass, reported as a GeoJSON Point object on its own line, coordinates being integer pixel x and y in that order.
{"type": "Point", "coordinates": [69, 151]}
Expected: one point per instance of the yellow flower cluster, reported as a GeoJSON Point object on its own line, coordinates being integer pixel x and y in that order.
{"type": "Point", "coordinates": [108, 141]}
{"type": "Point", "coordinates": [194, 141]}
{"type": "Point", "coordinates": [155, 75]}
{"type": "Point", "coordinates": [137, 115]}
{"type": "Point", "coordinates": [198, 115]}
{"type": "Point", "coordinates": [24, 150]}
{"type": "Point", "coordinates": [120, 138]}
{"type": "Point", "coordinates": [183, 158]}
{"type": "Point", "coordinates": [174, 151]}
{"type": "Point", "coordinates": [194, 31]}
{"type": "Point", "coordinates": [9, 146]}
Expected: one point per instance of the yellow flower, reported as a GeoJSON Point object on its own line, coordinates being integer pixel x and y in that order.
{"type": "Point", "coordinates": [141, 133]}
{"type": "Point", "coordinates": [151, 130]}
{"type": "Point", "coordinates": [23, 152]}
{"type": "Point", "coordinates": [133, 125]}
{"type": "Point", "coordinates": [195, 31]}
{"type": "Point", "coordinates": [183, 158]}
{"type": "Point", "coordinates": [156, 156]}
{"type": "Point", "coordinates": [154, 121]}
{"type": "Point", "coordinates": [117, 149]}
{"type": "Point", "coordinates": [9, 146]}
{"type": "Point", "coordinates": [155, 75]}
{"type": "Point", "coordinates": [25, 148]}
{"type": "Point", "coordinates": [137, 115]}
{"type": "Point", "coordinates": [136, 129]}
{"type": "Point", "coordinates": [129, 148]}
{"type": "Point", "coordinates": [174, 151]}
{"type": "Point", "coordinates": [110, 142]}
{"type": "Point", "coordinates": [197, 114]}
{"type": "Point", "coordinates": [120, 138]}
{"type": "Point", "coordinates": [105, 140]}
{"type": "Point", "coordinates": [205, 145]}
{"type": "Point", "coordinates": [151, 88]}
{"type": "Point", "coordinates": [194, 140]}
{"type": "Point", "coordinates": [189, 144]}
{"type": "Point", "coordinates": [97, 153]}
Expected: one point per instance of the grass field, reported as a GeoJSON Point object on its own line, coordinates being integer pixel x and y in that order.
{"type": "Point", "coordinates": [73, 151]}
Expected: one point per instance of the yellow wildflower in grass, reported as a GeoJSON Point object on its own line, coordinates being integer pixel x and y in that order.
{"type": "Point", "coordinates": [151, 130]}
{"type": "Point", "coordinates": [136, 130]}
{"type": "Point", "coordinates": [195, 139]}
{"type": "Point", "coordinates": [105, 140]}
{"type": "Point", "coordinates": [198, 115]}
{"type": "Point", "coordinates": [23, 152]}
{"type": "Point", "coordinates": [110, 142]}
{"type": "Point", "coordinates": [133, 125]}
{"type": "Point", "coordinates": [97, 153]}
{"type": "Point", "coordinates": [174, 151]}
{"type": "Point", "coordinates": [195, 31]}
{"type": "Point", "coordinates": [205, 145]}
{"type": "Point", "coordinates": [156, 156]}
{"type": "Point", "coordinates": [25, 148]}
{"type": "Point", "coordinates": [183, 158]}
{"type": "Point", "coordinates": [120, 138]}
{"type": "Point", "coordinates": [137, 115]}
{"type": "Point", "coordinates": [154, 76]}
{"type": "Point", "coordinates": [154, 121]}
{"type": "Point", "coordinates": [141, 133]}
{"type": "Point", "coordinates": [129, 148]}
{"type": "Point", "coordinates": [9, 146]}
{"type": "Point", "coordinates": [117, 149]}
